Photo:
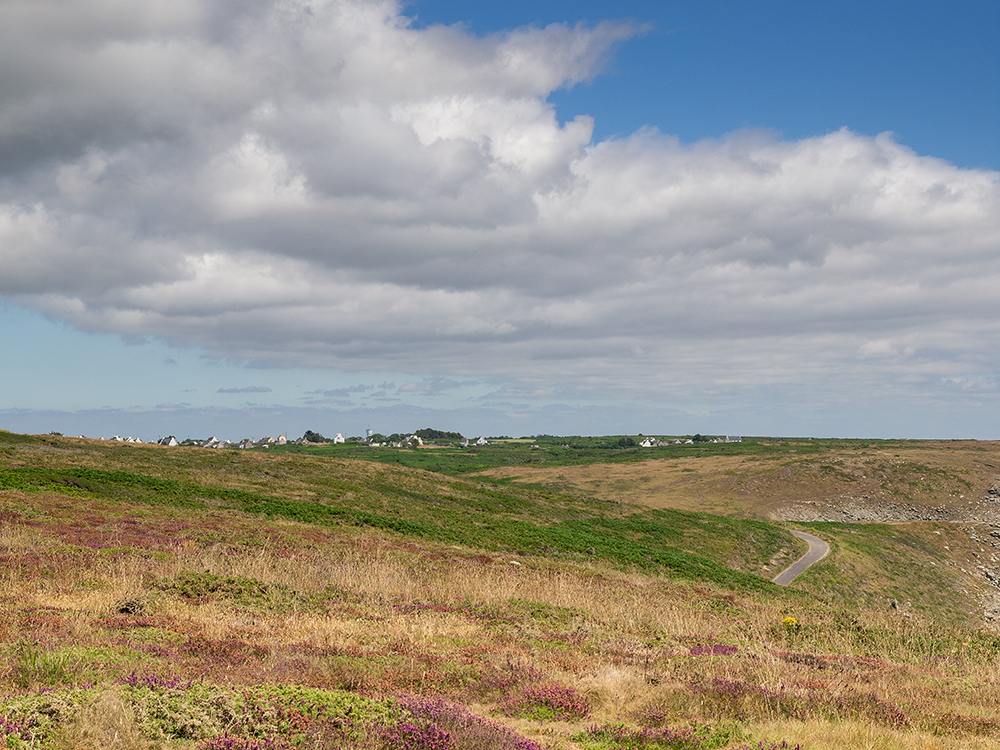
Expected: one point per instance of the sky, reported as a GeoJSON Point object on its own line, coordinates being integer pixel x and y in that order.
{"type": "Point", "coordinates": [239, 219]}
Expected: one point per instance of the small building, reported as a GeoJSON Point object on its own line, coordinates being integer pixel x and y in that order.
{"type": "Point", "coordinates": [338, 439]}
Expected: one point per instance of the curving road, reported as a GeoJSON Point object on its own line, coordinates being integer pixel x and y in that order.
{"type": "Point", "coordinates": [818, 549]}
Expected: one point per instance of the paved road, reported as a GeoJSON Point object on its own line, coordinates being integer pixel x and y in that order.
{"type": "Point", "coordinates": [817, 551]}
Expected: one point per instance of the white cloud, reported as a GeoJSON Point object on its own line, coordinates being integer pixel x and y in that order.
{"type": "Point", "coordinates": [320, 183]}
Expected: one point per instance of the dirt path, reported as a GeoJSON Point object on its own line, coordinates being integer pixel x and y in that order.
{"type": "Point", "coordinates": [818, 549]}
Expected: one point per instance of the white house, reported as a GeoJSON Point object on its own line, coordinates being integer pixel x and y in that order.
{"type": "Point", "coordinates": [338, 438]}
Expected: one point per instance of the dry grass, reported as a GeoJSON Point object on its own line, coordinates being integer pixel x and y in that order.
{"type": "Point", "coordinates": [378, 613]}
{"type": "Point", "coordinates": [106, 724]}
{"type": "Point", "coordinates": [627, 641]}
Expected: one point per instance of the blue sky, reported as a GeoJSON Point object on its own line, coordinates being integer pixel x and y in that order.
{"type": "Point", "coordinates": [925, 70]}
{"type": "Point", "coordinates": [517, 218]}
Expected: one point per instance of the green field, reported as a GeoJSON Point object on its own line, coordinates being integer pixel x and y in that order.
{"type": "Point", "coordinates": [575, 450]}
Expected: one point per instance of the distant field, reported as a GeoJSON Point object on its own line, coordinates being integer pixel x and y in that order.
{"type": "Point", "coordinates": [564, 451]}
{"type": "Point", "coordinates": [762, 480]}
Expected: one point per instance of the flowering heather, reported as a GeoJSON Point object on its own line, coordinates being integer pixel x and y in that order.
{"type": "Point", "coordinates": [468, 729]}
{"type": "Point", "coordinates": [871, 708]}
{"type": "Point", "coordinates": [620, 737]}
{"type": "Point", "coordinates": [501, 681]}
{"type": "Point", "coordinates": [228, 742]}
{"type": "Point", "coordinates": [547, 701]}
{"type": "Point", "coordinates": [737, 699]}
{"type": "Point", "coordinates": [20, 732]}
{"type": "Point", "coordinates": [771, 746]}
{"type": "Point", "coordinates": [742, 700]}
{"type": "Point", "coordinates": [420, 734]}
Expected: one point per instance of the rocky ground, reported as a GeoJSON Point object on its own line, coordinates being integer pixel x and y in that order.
{"type": "Point", "coordinates": [869, 509]}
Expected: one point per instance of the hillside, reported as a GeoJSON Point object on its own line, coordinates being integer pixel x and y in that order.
{"type": "Point", "coordinates": [166, 597]}
{"type": "Point", "coordinates": [898, 511]}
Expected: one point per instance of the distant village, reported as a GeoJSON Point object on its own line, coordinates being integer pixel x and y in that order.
{"type": "Point", "coordinates": [310, 438]}
{"type": "Point", "coordinates": [654, 443]}
{"type": "Point", "coordinates": [374, 440]}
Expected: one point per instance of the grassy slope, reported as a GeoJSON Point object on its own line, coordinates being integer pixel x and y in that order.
{"type": "Point", "coordinates": [936, 565]}
{"type": "Point", "coordinates": [429, 506]}
{"type": "Point", "coordinates": [236, 569]}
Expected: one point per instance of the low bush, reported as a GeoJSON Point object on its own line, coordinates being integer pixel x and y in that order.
{"type": "Point", "coordinates": [547, 701]}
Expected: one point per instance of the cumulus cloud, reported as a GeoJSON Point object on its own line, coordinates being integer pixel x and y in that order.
{"type": "Point", "coordinates": [320, 183]}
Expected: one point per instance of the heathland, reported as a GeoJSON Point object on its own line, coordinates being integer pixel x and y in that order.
{"type": "Point", "coordinates": [546, 593]}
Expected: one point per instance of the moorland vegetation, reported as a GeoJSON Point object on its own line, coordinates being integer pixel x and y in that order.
{"type": "Point", "coordinates": [547, 593]}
